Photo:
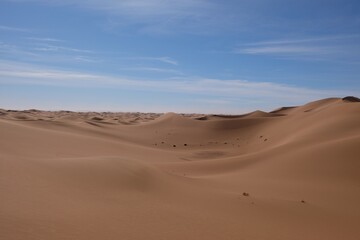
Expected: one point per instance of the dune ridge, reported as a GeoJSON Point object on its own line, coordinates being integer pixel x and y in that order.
{"type": "Point", "coordinates": [292, 173]}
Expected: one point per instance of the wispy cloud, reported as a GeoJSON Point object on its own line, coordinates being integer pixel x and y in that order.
{"type": "Point", "coordinates": [212, 101]}
{"type": "Point", "coordinates": [87, 59]}
{"type": "Point", "coordinates": [284, 50]}
{"type": "Point", "coordinates": [14, 29]}
{"type": "Point", "coordinates": [43, 52]}
{"type": "Point", "coordinates": [150, 8]}
{"type": "Point", "coordinates": [48, 46]}
{"type": "Point", "coordinates": [14, 51]}
{"type": "Point", "coordinates": [302, 40]}
{"type": "Point", "coordinates": [167, 60]}
{"type": "Point", "coordinates": [312, 48]}
{"type": "Point", "coordinates": [16, 73]}
{"type": "Point", "coordinates": [54, 48]}
{"type": "Point", "coordinates": [152, 69]}
{"type": "Point", "coordinates": [150, 16]}
{"type": "Point", "coordinates": [45, 39]}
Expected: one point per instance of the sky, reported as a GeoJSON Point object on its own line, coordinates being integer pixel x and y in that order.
{"type": "Point", "coordinates": [203, 56]}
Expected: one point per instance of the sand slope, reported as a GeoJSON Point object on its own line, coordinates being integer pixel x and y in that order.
{"type": "Point", "coordinates": [293, 173]}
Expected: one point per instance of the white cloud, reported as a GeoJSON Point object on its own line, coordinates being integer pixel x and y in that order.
{"type": "Point", "coordinates": [45, 39]}
{"type": "Point", "coordinates": [212, 101]}
{"type": "Point", "coordinates": [302, 40]}
{"type": "Point", "coordinates": [43, 52]}
{"type": "Point", "coordinates": [167, 60]}
{"type": "Point", "coordinates": [136, 7]}
{"type": "Point", "coordinates": [144, 8]}
{"type": "Point", "coordinates": [54, 48]}
{"type": "Point", "coordinates": [13, 50]}
{"type": "Point", "coordinates": [86, 59]}
{"type": "Point", "coordinates": [152, 69]}
{"type": "Point", "coordinates": [334, 48]}
{"type": "Point", "coordinates": [13, 29]}
{"type": "Point", "coordinates": [266, 92]}
{"type": "Point", "coordinates": [283, 50]}
{"type": "Point", "coordinates": [150, 16]}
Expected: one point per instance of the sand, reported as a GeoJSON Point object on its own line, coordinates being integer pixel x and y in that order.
{"type": "Point", "coordinates": [293, 173]}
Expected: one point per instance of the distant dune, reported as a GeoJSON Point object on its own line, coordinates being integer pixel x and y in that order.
{"type": "Point", "coordinates": [293, 173]}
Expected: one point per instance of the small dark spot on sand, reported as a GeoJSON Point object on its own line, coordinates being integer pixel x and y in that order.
{"type": "Point", "coordinates": [162, 142]}
{"type": "Point", "coordinates": [261, 136]}
{"type": "Point", "coordinates": [225, 142]}
{"type": "Point", "coordinates": [97, 118]}
{"type": "Point", "coordinates": [265, 139]}
{"type": "Point", "coordinates": [303, 201]}
{"type": "Point", "coordinates": [246, 194]}
{"type": "Point", "coordinates": [174, 145]}
{"type": "Point", "coordinates": [185, 144]}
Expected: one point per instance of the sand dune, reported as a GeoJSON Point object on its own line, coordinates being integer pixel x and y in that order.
{"type": "Point", "coordinates": [293, 173]}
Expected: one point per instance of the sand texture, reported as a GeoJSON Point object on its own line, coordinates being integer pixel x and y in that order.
{"type": "Point", "coordinates": [293, 173]}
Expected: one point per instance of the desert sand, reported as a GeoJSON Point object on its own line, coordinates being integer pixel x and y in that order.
{"type": "Point", "coordinates": [293, 173]}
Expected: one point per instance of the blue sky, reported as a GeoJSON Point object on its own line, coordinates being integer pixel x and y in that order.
{"type": "Point", "coordinates": [207, 56]}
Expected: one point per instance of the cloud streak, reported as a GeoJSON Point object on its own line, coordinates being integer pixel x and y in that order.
{"type": "Point", "coordinates": [303, 50]}
{"type": "Point", "coordinates": [44, 39]}
{"type": "Point", "coordinates": [301, 40]}
{"type": "Point", "coordinates": [14, 29]}
{"type": "Point", "coordinates": [333, 48]}
{"type": "Point", "coordinates": [136, 7]}
{"type": "Point", "coordinates": [11, 73]}
{"type": "Point", "coordinates": [150, 16]}
{"type": "Point", "coordinates": [167, 60]}
{"type": "Point", "coordinates": [46, 53]}
{"type": "Point", "coordinates": [14, 51]}
{"type": "Point", "coordinates": [152, 69]}
{"type": "Point", "coordinates": [54, 48]}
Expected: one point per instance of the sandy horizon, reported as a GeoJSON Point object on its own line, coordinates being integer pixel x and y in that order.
{"type": "Point", "coordinates": [292, 173]}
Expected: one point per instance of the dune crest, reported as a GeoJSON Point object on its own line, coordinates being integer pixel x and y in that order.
{"type": "Point", "coordinates": [292, 173]}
